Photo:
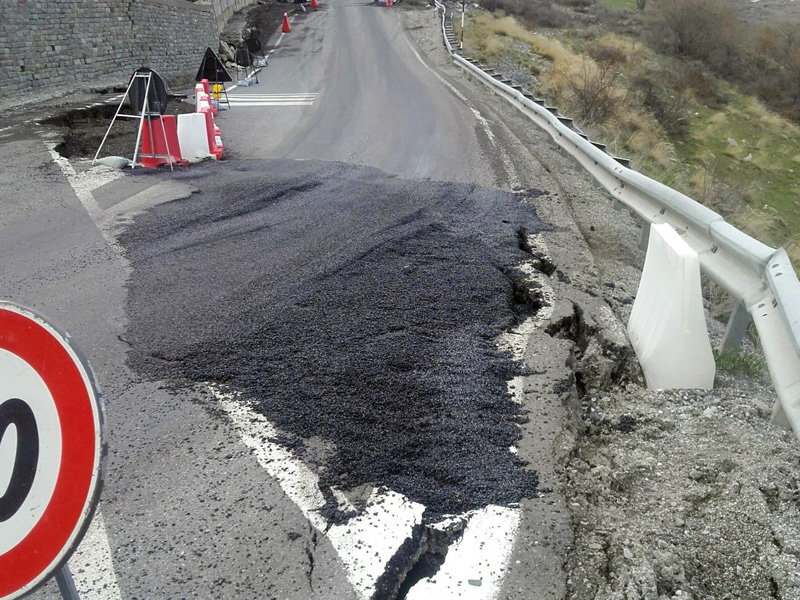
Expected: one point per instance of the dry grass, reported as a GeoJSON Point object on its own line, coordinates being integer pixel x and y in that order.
{"type": "Point", "coordinates": [752, 183]}
{"type": "Point", "coordinates": [491, 25]}
{"type": "Point", "coordinates": [754, 109]}
{"type": "Point", "coordinates": [662, 154]}
{"type": "Point", "coordinates": [702, 184]}
{"type": "Point", "coordinates": [718, 119]}
{"type": "Point", "coordinates": [632, 48]}
{"type": "Point", "coordinates": [647, 140]}
{"type": "Point", "coordinates": [792, 248]}
{"type": "Point", "coordinates": [764, 224]}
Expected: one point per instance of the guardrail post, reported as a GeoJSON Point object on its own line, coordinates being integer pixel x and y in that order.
{"type": "Point", "coordinates": [736, 329]}
{"type": "Point", "coordinates": [644, 236]}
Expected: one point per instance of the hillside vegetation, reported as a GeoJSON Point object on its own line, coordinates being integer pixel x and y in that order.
{"type": "Point", "coordinates": [698, 101]}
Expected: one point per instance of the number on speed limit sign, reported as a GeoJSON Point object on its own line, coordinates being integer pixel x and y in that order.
{"type": "Point", "coordinates": [51, 449]}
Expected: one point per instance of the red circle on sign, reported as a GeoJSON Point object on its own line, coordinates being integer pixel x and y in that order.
{"type": "Point", "coordinates": [50, 542]}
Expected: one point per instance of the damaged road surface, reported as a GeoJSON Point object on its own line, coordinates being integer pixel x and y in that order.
{"type": "Point", "coordinates": [354, 318]}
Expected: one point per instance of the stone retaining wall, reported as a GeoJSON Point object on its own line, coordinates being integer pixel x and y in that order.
{"type": "Point", "coordinates": [224, 9]}
{"type": "Point", "coordinates": [50, 46]}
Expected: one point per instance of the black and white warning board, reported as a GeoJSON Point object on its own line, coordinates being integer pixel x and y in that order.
{"type": "Point", "coordinates": [51, 449]}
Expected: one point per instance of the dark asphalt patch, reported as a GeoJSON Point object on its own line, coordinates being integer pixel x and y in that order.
{"type": "Point", "coordinates": [359, 310]}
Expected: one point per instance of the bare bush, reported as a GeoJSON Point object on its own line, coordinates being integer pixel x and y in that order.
{"type": "Point", "coordinates": [606, 54]}
{"type": "Point", "coordinates": [577, 3]}
{"type": "Point", "coordinates": [697, 28]}
{"type": "Point", "coordinates": [539, 13]}
{"type": "Point", "coordinates": [591, 89]}
{"type": "Point", "coordinates": [694, 76]}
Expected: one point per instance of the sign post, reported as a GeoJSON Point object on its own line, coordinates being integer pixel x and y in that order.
{"type": "Point", "coordinates": [51, 452]}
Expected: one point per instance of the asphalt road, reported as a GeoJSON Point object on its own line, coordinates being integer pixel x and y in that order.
{"type": "Point", "coordinates": [197, 501]}
{"type": "Point", "coordinates": [377, 103]}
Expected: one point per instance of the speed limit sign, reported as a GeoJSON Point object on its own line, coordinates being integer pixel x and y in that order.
{"type": "Point", "coordinates": [51, 449]}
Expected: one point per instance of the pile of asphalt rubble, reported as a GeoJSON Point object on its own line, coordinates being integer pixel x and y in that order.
{"type": "Point", "coordinates": [363, 324]}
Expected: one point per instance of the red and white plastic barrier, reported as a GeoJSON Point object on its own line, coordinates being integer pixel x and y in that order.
{"type": "Point", "coordinates": [164, 142]}
{"type": "Point", "coordinates": [191, 137]}
{"type": "Point", "coordinates": [213, 134]}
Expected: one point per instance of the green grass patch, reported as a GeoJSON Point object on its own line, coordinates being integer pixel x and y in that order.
{"type": "Point", "coordinates": [619, 4]}
{"type": "Point", "coordinates": [755, 152]}
{"type": "Point", "coordinates": [740, 363]}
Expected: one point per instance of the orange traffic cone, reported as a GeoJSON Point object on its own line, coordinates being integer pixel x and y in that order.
{"type": "Point", "coordinates": [314, 4]}
{"type": "Point", "coordinates": [286, 28]}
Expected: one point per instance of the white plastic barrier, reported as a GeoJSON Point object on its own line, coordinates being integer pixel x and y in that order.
{"type": "Point", "coordinates": [199, 90]}
{"type": "Point", "coordinates": [667, 327]}
{"type": "Point", "coordinates": [193, 137]}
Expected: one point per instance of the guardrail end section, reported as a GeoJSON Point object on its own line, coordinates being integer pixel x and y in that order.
{"type": "Point", "coordinates": [783, 360]}
{"type": "Point", "coordinates": [783, 282]}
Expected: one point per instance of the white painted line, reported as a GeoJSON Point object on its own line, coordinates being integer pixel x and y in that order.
{"type": "Point", "coordinates": [475, 564]}
{"type": "Point", "coordinates": [365, 543]}
{"type": "Point", "coordinates": [83, 184]}
{"type": "Point", "coordinates": [278, 43]}
{"type": "Point", "coordinates": [271, 99]}
{"type": "Point", "coordinates": [92, 565]}
{"type": "Point", "coordinates": [268, 54]}
{"type": "Point", "coordinates": [272, 96]}
{"type": "Point", "coordinates": [234, 103]}
{"type": "Point", "coordinates": [82, 191]}
{"type": "Point", "coordinates": [511, 171]}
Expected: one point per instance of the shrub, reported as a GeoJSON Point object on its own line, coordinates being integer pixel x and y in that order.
{"type": "Point", "coordinates": [606, 54]}
{"type": "Point", "coordinates": [535, 12]}
{"type": "Point", "coordinates": [670, 107]}
{"type": "Point", "coordinates": [591, 89]}
{"type": "Point", "coordinates": [697, 28]}
{"type": "Point", "coordinates": [694, 76]}
{"type": "Point", "coordinates": [576, 3]}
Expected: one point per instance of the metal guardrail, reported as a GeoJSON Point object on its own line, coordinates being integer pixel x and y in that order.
{"type": "Point", "coordinates": [761, 278]}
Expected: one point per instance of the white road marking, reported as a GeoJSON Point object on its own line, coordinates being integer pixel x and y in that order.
{"type": "Point", "coordinates": [92, 565]}
{"type": "Point", "coordinates": [297, 96]}
{"type": "Point", "coordinates": [280, 39]}
{"type": "Point", "coordinates": [365, 543]}
{"type": "Point", "coordinates": [268, 54]}
{"type": "Point", "coordinates": [254, 104]}
{"type": "Point", "coordinates": [511, 171]}
{"type": "Point", "coordinates": [481, 557]}
{"type": "Point", "coordinates": [272, 99]}
{"type": "Point", "coordinates": [81, 186]}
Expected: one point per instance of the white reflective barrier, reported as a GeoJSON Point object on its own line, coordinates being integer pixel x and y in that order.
{"type": "Point", "coordinates": [667, 327]}
{"type": "Point", "coordinates": [193, 137]}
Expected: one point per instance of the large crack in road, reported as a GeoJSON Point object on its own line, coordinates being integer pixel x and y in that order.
{"type": "Point", "coordinates": [359, 311]}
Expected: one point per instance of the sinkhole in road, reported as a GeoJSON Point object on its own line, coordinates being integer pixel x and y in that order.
{"type": "Point", "coordinates": [357, 311]}
{"type": "Point", "coordinates": [82, 129]}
